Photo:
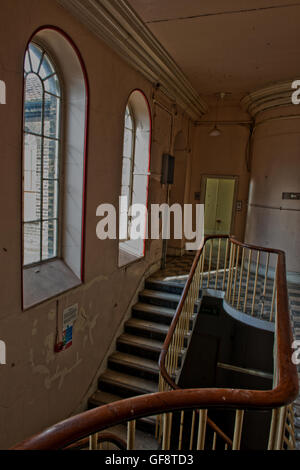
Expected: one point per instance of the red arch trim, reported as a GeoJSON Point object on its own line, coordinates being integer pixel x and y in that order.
{"type": "Point", "coordinates": [149, 151]}
{"type": "Point", "coordinates": [87, 92]}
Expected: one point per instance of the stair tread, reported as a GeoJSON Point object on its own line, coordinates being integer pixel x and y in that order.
{"type": "Point", "coordinates": [140, 341]}
{"type": "Point", "coordinates": [137, 361]}
{"type": "Point", "coordinates": [154, 309]}
{"type": "Point", "coordinates": [135, 383]}
{"type": "Point", "coordinates": [156, 294]}
{"type": "Point", "coordinates": [147, 325]}
{"type": "Point", "coordinates": [103, 398]}
{"type": "Point", "coordinates": [159, 282]}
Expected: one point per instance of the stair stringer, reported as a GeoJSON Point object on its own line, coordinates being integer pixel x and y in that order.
{"type": "Point", "coordinates": [103, 365]}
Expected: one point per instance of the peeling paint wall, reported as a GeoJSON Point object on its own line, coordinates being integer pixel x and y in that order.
{"type": "Point", "coordinates": [39, 387]}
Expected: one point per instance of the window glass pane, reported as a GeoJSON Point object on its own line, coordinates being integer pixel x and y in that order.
{"type": "Point", "coordinates": [126, 172]}
{"type": "Point", "coordinates": [50, 199]}
{"type": "Point", "coordinates": [52, 85]}
{"type": "Point", "coordinates": [128, 119]}
{"type": "Point", "coordinates": [35, 56]}
{"type": "Point", "coordinates": [33, 104]}
{"type": "Point", "coordinates": [50, 159]}
{"type": "Point", "coordinates": [51, 116]}
{"type": "Point", "coordinates": [128, 143]}
{"type": "Point", "coordinates": [32, 177]}
{"type": "Point", "coordinates": [47, 68]}
{"type": "Point", "coordinates": [41, 157]}
{"type": "Point", "coordinates": [49, 240]}
{"type": "Point", "coordinates": [32, 236]}
{"type": "Point", "coordinates": [27, 66]}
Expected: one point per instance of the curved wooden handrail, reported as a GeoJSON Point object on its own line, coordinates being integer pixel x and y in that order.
{"type": "Point", "coordinates": [90, 422]}
{"type": "Point", "coordinates": [286, 369]}
{"type": "Point", "coordinates": [102, 438]}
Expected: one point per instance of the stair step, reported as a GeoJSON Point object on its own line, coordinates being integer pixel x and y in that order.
{"type": "Point", "coordinates": [153, 312]}
{"type": "Point", "coordinates": [100, 398]}
{"type": "Point", "coordinates": [146, 328]}
{"type": "Point", "coordinates": [163, 299]}
{"type": "Point", "coordinates": [165, 286]}
{"type": "Point", "coordinates": [137, 345]}
{"type": "Point", "coordinates": [125, 385]}
{"type": "Point", "coordinates": [134, 365]}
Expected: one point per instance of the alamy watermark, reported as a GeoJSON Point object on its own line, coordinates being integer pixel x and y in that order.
{"type": "Point", "coordinates": [296, 93]}
{"type": "Point", "coordinates": [2, 92]}
{"type": "Point", "coordinates": [296, 354]}
{"type": "Point", "coordinates": [134, 222]}
{"type": "Point", "coordinates": [2, 353]}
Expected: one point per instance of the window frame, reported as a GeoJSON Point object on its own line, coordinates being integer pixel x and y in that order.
{"type": "Point", "coordinates": [60, 152]}
{"type": "Point", "coordinates": [132, 164]}
{"type": "Point", "coordinates": [131, 250]}
{"type": "Point", "coordinates": [54, 278]}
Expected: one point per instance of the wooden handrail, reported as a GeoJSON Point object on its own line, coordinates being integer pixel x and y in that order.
{"type": "Point", "coordinates": [90, 422]}
{"type": "Point", "coordinates": [283, 326]}
{"type": "Point", "coordinates": [101, 439]}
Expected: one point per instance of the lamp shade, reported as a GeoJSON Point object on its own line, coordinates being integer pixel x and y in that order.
{"type": "Point", "coordinates": [215, 132]}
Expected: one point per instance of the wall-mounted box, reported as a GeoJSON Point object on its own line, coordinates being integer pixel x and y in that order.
{"type": "Point", "coordinates": [168, 166]}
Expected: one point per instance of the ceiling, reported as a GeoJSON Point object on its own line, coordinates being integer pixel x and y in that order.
{"type": "Point", "coordinates": [236, 46]}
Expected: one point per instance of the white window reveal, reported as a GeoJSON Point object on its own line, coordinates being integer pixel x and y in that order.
{"type": "Point", "coordinates": [135, 170]}
{"type": "Point", "coordinates": [55, 92]}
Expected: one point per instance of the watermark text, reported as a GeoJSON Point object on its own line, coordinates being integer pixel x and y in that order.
{"type": "Point", "coordinates": [2, 353]}
{"type": "Point", "coordinates": [296, 354]}
{"type": "Point", "coordinates": [2, 92]}
{"type": "Point", "coordinates": [134, 222]}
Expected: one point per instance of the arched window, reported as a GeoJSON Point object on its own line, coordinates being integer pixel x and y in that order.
{"type": "Point", "coordinates": [135, 172]}
{"type": "Point", "coordinates": [54, 159]}
{"type": "Point", "coordinates": [128, 159]}
{"type": "Point", "coordinates": [42, 157]}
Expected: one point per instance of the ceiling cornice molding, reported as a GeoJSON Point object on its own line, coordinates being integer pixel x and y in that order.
{"type": "Point", "coordinates": [117, 24]}
{"type": "Point", "coordinates": [267, 98]}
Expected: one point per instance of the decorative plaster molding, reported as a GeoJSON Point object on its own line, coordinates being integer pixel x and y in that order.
{"type": "Point", "coordinates": [115, 22]}
{"type": "Point", "coordinates": [267, 98]}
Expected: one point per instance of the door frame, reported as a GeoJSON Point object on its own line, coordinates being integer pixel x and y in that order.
{"type": "Point", "coordinates": [203, 181]}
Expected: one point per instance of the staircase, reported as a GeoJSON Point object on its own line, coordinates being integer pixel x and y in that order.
{"type": "Point", "coordinates": [133, 368]}
{"type": "Point", "coordinates": [294, 297]}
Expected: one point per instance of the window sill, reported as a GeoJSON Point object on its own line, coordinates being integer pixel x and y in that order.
{"type": "Point", "coordinates": [42, 282]}
{"type": "Point", "coordinates": [126, 255]}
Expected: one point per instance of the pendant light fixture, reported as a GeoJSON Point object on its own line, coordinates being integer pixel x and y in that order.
{"type": "Point", "coordinates": [216, 132]}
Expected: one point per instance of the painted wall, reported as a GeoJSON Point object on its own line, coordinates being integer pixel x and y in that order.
{"type": "Point", "coordinates": [37, 386]}
{"type": "Point", "coordinates": [224, 155]}
{"type": "Point", "coordinates": [179, 191]}
{"type": "Point", "coordinates": [272, 221]}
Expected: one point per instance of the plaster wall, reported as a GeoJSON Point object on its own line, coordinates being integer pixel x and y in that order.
{"type": "Point", "coordinates": [272, 221]}
{"type": "Point", "coordinates": [224, 155]}
{"type": "Point", "coordinates": [37, 386]}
